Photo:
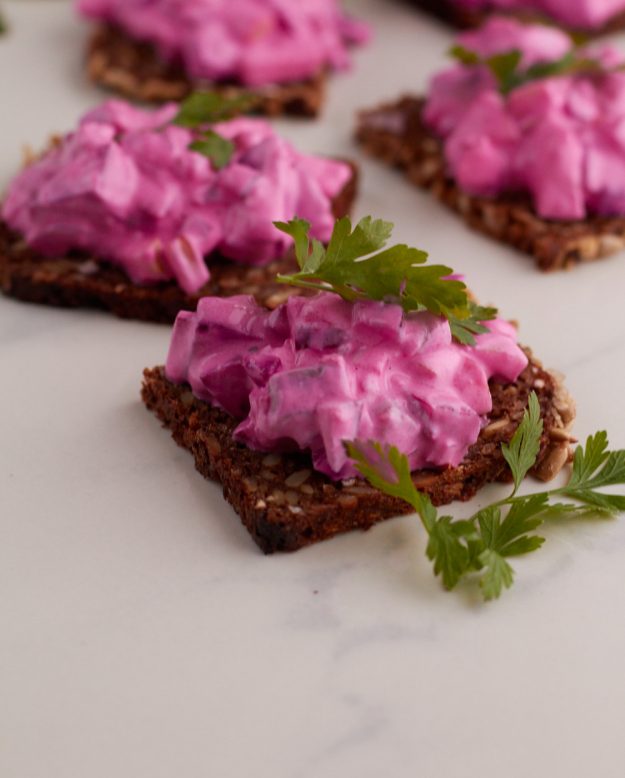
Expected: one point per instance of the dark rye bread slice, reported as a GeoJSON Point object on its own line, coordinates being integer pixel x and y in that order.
{"type": "Point", "coordinates": [285, 504]}
{"type": "Point", "coordinates": [395, 133]}
{"type": "Point", "coordinates": [450, 13]}
{"type": "Point", "coordinates": [80, 280]}
{"type": "Point", "coordinates": [133, 68]}
{"type": "Point", "coordinates": [467, 18]}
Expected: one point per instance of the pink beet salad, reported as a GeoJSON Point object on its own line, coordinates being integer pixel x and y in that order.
{"type": "Point", "coordinates": [126, 187]}
{"type": "Point", "coordinates": [578, 14]}
{"type": "Point", "coordinates": [318, 371]}
{"type": "Point", "coordinates": [553, 127]}
{"type": "Point", "coordinates": [251, 42]}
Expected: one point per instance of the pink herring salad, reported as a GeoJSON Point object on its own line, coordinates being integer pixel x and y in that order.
{"type": "Point", "coordinates": [126, 187]}
{"type": "Point", "coordinates": [578, 14]}
{"type": "Point", "coordinates": [251, 42]}
{"type": "Point", "coordinates": [559, 138]}
{"type": "Point", "coordinates": [320, 370]}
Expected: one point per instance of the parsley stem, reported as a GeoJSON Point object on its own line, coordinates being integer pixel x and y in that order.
{"type": "Point", "coordinates": [510, 501]}
{"type": "Point", "coordinates": [303, 284]}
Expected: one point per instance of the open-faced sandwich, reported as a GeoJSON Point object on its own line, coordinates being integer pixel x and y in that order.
{"type": "Point", "coordinates": [590, 17]}
{"type": "Point", "coordinates": [523, 137]}
{"type": "Point", "coordinates": [143, 212]}
{"type": "Point", "coordinates": [279, 52]}
{"type": "Point", "coordinates": [389, 349]}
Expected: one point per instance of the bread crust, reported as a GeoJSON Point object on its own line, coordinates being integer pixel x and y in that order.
{"type": "Point", "coordinates": [465, 18]}
{"type": "Point", "coordinates": [285, 504]}
{"type": "Point", "coordinates": [133, 68]}
{"type": "Point", "coordinates": [395, 133]}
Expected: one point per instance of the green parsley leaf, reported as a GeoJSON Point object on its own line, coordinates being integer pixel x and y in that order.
{"type": "Point", "coordinates": [3, 25]}
{"type": "Point", "coordinates": [463, 329]}
{"type": "Point", "coordinates": [448, 550]}
{"type": "Point", "coordinates": [506, 538]}
{"type": "Point", "coordinates": [218, 149]}
{"type": "Point", "coordinates": [309, 253]}
{"type": "Point", "coordinates": [595, 467]}
{"type": "Point", "coordinates": [566, 510]}
{"type": "Point", "coordinates": [507, 70]}
{"type": "Point", "coordinates": [388, 470]}
{"type": "Point", "coordinates": [570, 64]}
{"type": "Point", "coordinates": [481, 545]}
{"type": "Point", "coordinates": [498, 574]}
{"type": "Point", "coordinates": [521, 452]}
{"type": "Point", "coordinates": [509, 537]}
{"type": "Point", "coordinates": [202, 108]}
{"type": "Point", "coordinates": [465, 56]}
{"type": "Point", "coordinates": [357, 266]}
{"type": "Point", "coordinates": [588, 460]}
{"type": "Point", "coordinates": [504, 66]}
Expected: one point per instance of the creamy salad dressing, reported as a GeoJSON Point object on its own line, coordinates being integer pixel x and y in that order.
{"type": "Point", "coordinates": [126, 187]}
{"type": "Point", "coordinates": [252, 42]}
{"type": "Point", "coordinates": [581, 14]}
{"type": "Point", "coordinates": [320, 370]}
{"type": "Point", "coordinates": [560, 138]}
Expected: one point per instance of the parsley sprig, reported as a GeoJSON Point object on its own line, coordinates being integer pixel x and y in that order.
{"type": "Point", "coordinates": [507, 69]}
{"type": "Point", "coordinates": [481, 545]}
{"type": "Point", "coordinates": [357, 266]}
{"type": "Point", "coordinates": [204, 108]}
{"type": "Point", "coordinates": [214, 146]}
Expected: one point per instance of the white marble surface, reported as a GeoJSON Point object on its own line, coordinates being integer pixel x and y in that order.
{"type": "Point", "coordinates": [143, 634]}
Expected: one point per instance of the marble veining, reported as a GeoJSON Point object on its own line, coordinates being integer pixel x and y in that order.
{"type": "Point", "coordinates": [144, 634]}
